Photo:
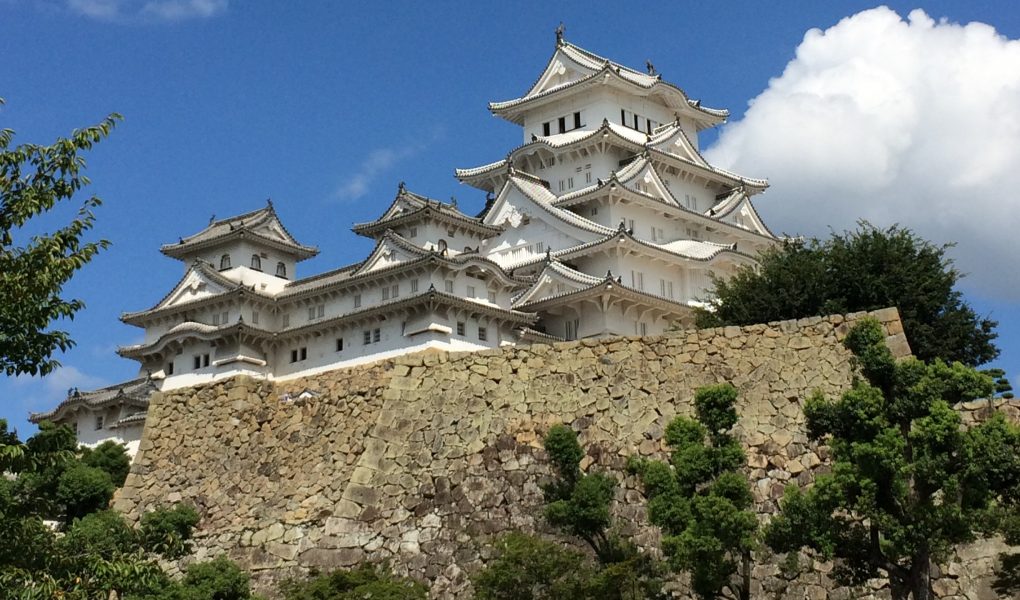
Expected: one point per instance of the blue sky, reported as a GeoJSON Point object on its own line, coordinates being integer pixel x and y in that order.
{"type": "Point", "coordinates": [327, 107]}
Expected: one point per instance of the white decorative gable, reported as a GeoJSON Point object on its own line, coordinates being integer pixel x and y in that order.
{"type": "Point", "coordinates": [197, 283]}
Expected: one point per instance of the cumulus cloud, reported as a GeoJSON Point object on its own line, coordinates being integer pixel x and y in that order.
{"type": "Point", "coordinates": [893, 120]}
{"type": "Point", "coordinates": [147, 10]}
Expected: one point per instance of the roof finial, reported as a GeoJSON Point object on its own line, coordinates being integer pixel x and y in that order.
{"type": "Point", "coordinates": [548, 255]}
{"type": "Point", "coordinates": [269, 202]}
{"type": "Point", "coordinates": [212, 218]}
{"type": "Point", "coordinates": [650, 67]}
{"type": "Point", "coordinates": [559, 33]}
{"type": "Point", "coordinates": [453, 202]}
{"type": "Point", "coordinates": [401, 187]}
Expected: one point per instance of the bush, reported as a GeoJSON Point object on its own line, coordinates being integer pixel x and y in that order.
{"type": "Point", "coordinates": [366, 581]}
{"type": "Point", "coordinates": [167, 530]}
{"type": "Point", "coordinates": [218, 579]}
{"type": "Point", "coordinates": [110, 457]}
{"type": "Point", "coordinates": [102, 534]}
{"type": "Point", "coordinates": [82, 490]}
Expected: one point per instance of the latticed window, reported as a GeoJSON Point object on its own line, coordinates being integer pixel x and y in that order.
{"type": "Point", "coordinates": [224, 262]}
{"type": "Point", "coordinates": [256, 262]}
{"type": "Point", "coordinates": [281, 270]}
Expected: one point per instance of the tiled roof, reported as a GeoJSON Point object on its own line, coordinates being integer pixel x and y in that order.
{"type": "Point", "coordinates": [240, 226]}
{"type": "Point", "coordinates": [597, 67]}
{"type": "Point", "coordinates": [134, 393]}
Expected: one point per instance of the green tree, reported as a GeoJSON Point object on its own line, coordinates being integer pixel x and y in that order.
{"type": "Point", "coordinates": [110, 457]}
{"type": "Point", "coordinates": [97, 551]}
{"type": "Point", "coordinates": [865, 269]}
{"type": "Point", "coordinates": [579, 504]}
{"type": "Point", "coordinates": [701, 500]}
{"type": "Point", "coordinates": [1002, 388]}
{"type": "Point", "coordinates": [217, 579]}
{"type": "Point", "coordinates": [33, 180]}
{"type": "Point", "coordinates": [908, 482]}
{"type": "Point", "coordinates": [365, 581]}
{"type": "Point", "coordinates": [529, 568]}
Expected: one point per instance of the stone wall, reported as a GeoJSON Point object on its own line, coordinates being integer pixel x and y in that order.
{"type": "Point", "coordinates": [421, 460]}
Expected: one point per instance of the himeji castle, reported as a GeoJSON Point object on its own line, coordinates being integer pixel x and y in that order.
{"type": "Point", "coordinates": [605, 220]}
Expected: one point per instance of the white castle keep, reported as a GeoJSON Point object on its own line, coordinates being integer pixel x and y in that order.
{"type": "Point", "coordinates": [606, 220]}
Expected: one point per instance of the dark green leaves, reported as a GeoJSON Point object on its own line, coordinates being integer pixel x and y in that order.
{"type": "Point", "coordinates": [33, 180]}
{"type": "Point", "coordinates": [908, 481]}
{"type": "Point", "coordinates": [700, 499]}
{"type": "Point", "coordinates": [864, 269]}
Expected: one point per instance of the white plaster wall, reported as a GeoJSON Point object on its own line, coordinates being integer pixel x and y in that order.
{"type": "Point", "coordinates": [88, 435]}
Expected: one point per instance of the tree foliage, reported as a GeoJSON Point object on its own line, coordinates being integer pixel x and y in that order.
{"type": "Point", "coordinates": [110, 457]}
{"type": "Point", "coordinates": [578, 504]}
{"type": "Point", "coordinates": [95, 551]}
{"type": "Point", "coordinates": [865, 269]}
{"type": "Point", "coordinates": [33, 180]}
{"type": "Point", "coordinates": [701, 500]}
{"type": "Point", "coordinates": [908, 482]}
{"type": "Point", "coordinates": [365, 581]}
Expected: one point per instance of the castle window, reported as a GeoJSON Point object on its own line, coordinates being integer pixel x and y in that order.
{"type": "Point", "coordinates": [570, 182]}
{"type": "Point", "coordinates": [339, 344]}
{"type": "Point", "coordinates": [492, 297]}
{"type": "Point", "coordinates": [299, 354]}
{"type": "Point", "coordinates": [224, 262]}
{"type": "Point", "coordinates": [254, 317]}
{"type": "Point", "coordinates": [577, 120]}
{"type": "Point", "coordinates": [563, 124]}
{"type": "Point", "coordinates": [570, 329]}
{"type": "Point", "coordinates": [546, 128]}
{"type": "Point", "coordinates": [413, 232]}
{"type": "Point", "coordinates": [587, 177]}
{"type": "Point", "coordinates": [286, 321]}
{"type": "Point", "coordinates": [414, 285]}
{"type": "Point", "coordinates": [395, 290]}
{"type": "Point", "coordinates": [449, 286]}
{"type": "Point", "coordinates": [170, 368]}
{"type": "Point", "coordinates": [316, 312]}
{"type": "Point", "coordinates": [205, 360]}
{"type": "Point", "coordinates": [357, 300]}
{"type": "Point", "coordinates": [483, 333]}
{"type": "Point", "coordinates": [99, 422]}
{"type": "Point", "coordinates": [281, 270]}
{"type": "Point", "coordinates": [386, 293]}
{"type": "Point", "coordinates": [375, 335]}
{"type": "Point", "coordinates": [256, 262]}
{"type": "Point", "coordinates": [471, 291]}
{"type": "Point", "coordinates": [366, 337]}
{"type": "Point", "coordinates": [460, 327]}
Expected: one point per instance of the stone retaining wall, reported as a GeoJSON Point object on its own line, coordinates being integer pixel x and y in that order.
{"type": "Point", "coordinates": [422, 459]}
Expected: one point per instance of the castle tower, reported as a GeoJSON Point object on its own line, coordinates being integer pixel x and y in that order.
{"type": "Point", "coordinates": [608, 205]}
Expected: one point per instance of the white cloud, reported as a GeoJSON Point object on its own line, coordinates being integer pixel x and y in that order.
{"type": "Point", "coordinates": [891, 120]}
{"type": "Point", "coordinates": [43, 393]}
{"type": "Point", "coordinates": [147, 10]}
{"type": "Point", "coordinates": [378, 162]}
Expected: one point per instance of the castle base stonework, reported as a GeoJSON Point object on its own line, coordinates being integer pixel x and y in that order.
{"type": "Point", "coordinates": [423, 459]}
